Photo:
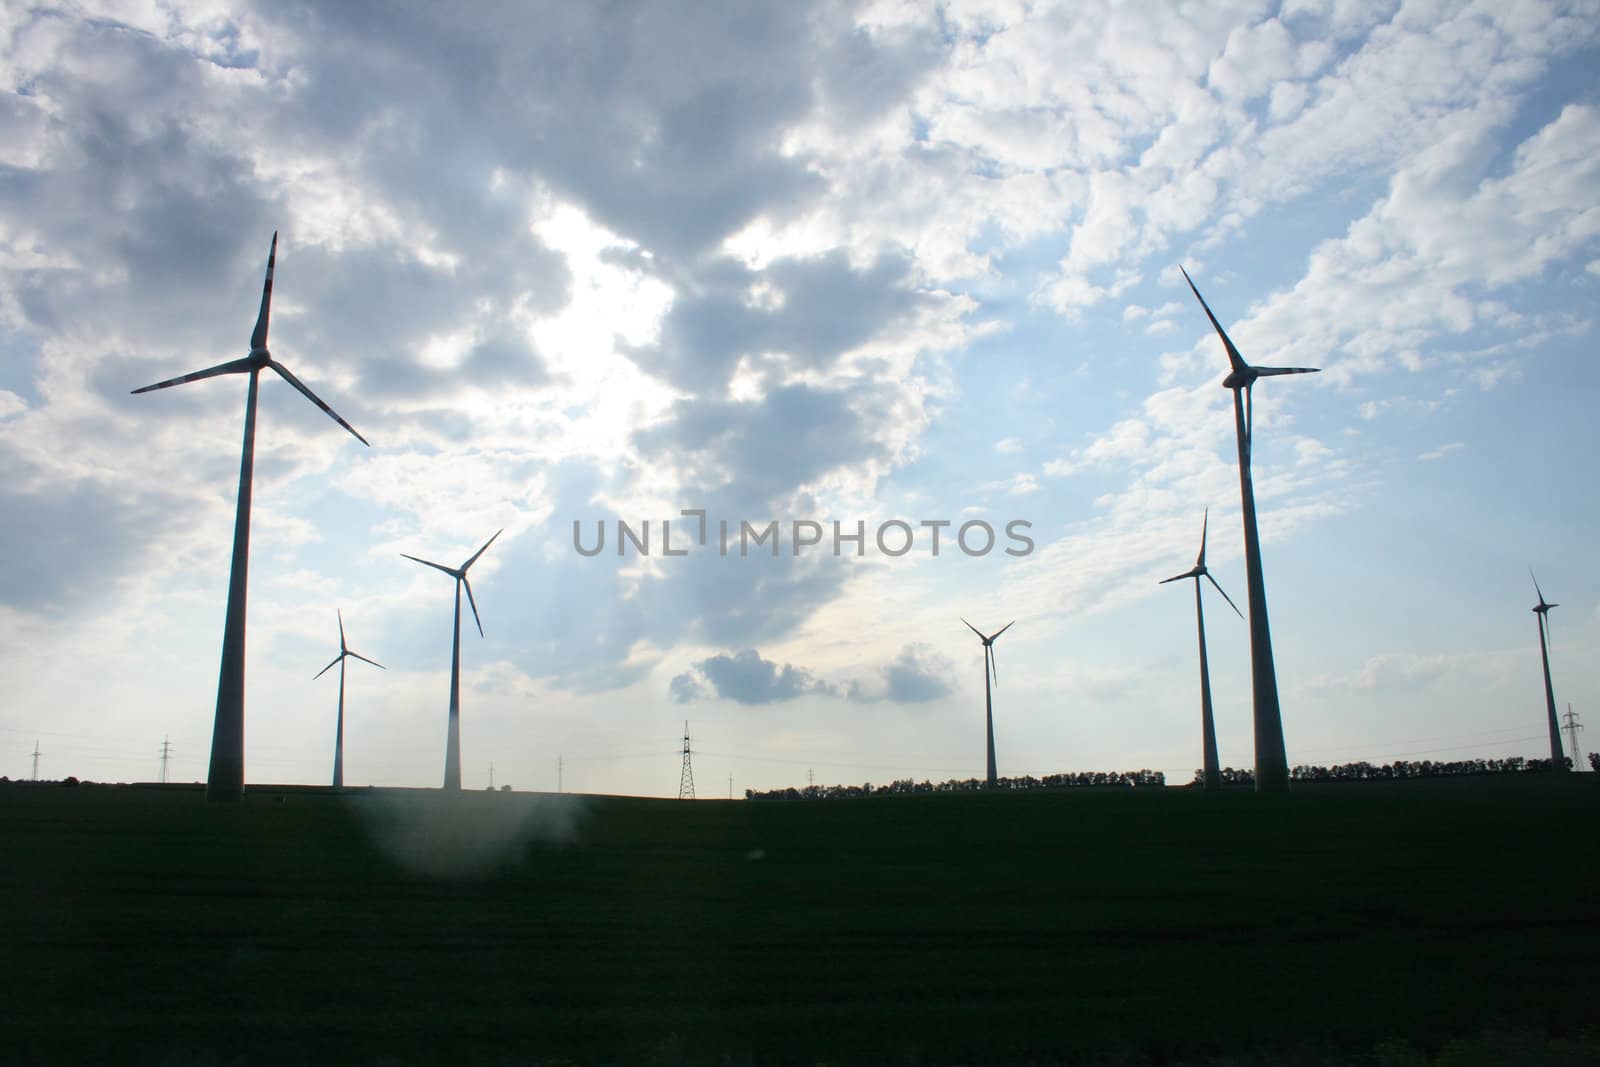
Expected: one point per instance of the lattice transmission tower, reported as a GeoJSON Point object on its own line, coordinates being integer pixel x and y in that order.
{"type": "Point", "coordinates": [166, 754]}
{"type": "Point", "coordinates": [1572, 726]}
{"type": "Point", "coordinates": [686, 779]}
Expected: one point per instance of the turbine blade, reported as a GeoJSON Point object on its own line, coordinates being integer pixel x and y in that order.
{"type": "Point", "coordinates": [233, 366]}
{"type": "Point", "coordinates": [480, 551]}
{"type": "Point", "coordinates": [975, 630]}
{"type": "Point", "coordinates": [1180, 577]}
{"type": "Point", "coordinates": [472, 602]}
{"type": "Point", "coordinates": [1234, 358]}
{"type": "Point", "coordinates": [451, 571]}
{"type": "Point", "coordinates": [364, 659]}
{"type": "Point", "coordinates": [258, 337]}
{"type": "Point", "coordinates": [1205, 520]}
{"type": "Point", "coordinates": [1003, 629]}
{"type": "Point", "coordinates": [1267, 372]}
{"type": "Point", "coordinates": [328, 668]}
{"type": "Point", "coordinates": [342, 646]}
{"type": "Point", "coordinates": [1536, 588]}
{"type": "Point", "coordinates": [283, 372]}
{"type": "Point", "coordinates": [1225, 596]}
{"type": "Point", "coordinates": [994, 668]}
{"type": "Point", "coordinates": [1250, 414]}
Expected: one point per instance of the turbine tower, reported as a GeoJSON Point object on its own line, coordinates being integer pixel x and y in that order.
{"type": "Point", "coordinates": [225, 777]}
{"type": "Point", "coordinates": [338, 736]}
{"type": "Point", "coordinates": [1557, 760]}
{"type": "Point", "coordinates": [988, 699]}
{"type": "Point", "coordinates": [1272, 762]}
{"type": "Point", "coordinates": [452, 743]}
{"type": "Point", "coordinates": [1212, 774]}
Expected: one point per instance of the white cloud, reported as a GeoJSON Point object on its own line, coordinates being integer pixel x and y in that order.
{"type": "Point", "coordinates": [1441, 451]}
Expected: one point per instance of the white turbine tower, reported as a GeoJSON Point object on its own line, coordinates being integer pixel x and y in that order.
{"type": "Point", "coordinates": [1211, 774]}
{"type": "Point", "coordinates": [1557, 758]}
{"type": "Point", "coordinates": [338, 736]}
{"type": "Point", "coordinates": [452, 743]}
{"type": "Point", "coordinates": [225, 778]}
{"type": "Point", "coordinates": [988, 700]}
{"type": "Point", "coordinates": [1272, 761]}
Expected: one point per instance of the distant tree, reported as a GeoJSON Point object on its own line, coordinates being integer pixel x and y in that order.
{"type": "Point", "coordinates": [1594, 763]}
{"type": "Point", "coordinates": [69, 780]}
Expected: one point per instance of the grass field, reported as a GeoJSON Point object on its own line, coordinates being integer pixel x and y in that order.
{"type": "Point", "coordinates": [1369, 923]}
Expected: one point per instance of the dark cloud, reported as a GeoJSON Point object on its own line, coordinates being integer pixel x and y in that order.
{"type": "Point", "coordinates": [71, 548]}
{"type": "Point", "coordinates": [747, 678]}
{"type": "Point", "coordinates": [916, 676]}
{"type": "Point", "coordinates": [686, 688]}
{"type": "Point", "coordinates": [662, 119]}
{"type": "Point", "coordinates": [760, 450]}
{"type": "Point", "coordinates": [160, 177]}
{"type": "Point", "coordinates": [810, 311]}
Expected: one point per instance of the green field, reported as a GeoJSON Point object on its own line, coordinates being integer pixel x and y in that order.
{"type": "Point", "coordinates": [1356, 922]}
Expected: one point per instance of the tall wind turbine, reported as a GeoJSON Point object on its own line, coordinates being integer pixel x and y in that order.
{"type": "Point", "coordinates": [1212, 774]}
{"type": "Point", "coordinates": [452, 743]}
{"type": "Point", "coordinates": [225, 778]}
{"type": "Point", "coordinates": [338, 737]}
{"type": "Point", "coordinates": [988, 699]}
{"type": "Point", "coordinates": [1272, 763]}
{"type": "Point", "coordinates": [1557, 759]}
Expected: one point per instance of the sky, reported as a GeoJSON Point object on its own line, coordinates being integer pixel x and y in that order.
{"type": "Point", "coordinates": [822, 262]}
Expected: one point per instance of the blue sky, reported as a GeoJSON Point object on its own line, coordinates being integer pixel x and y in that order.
{"type": "Point", "coordinates": [837, 261]}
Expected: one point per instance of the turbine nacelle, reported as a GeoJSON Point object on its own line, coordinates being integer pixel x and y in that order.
{"type": "Point", "coordinates": [1241, 375]}
{"type": "Point", "coordinates": [1199, 571]}
{"type": "Point", "coordinates": [988, 646]}
{"type": "Point", "coordinates": [259, 358]}
{"type": "Point", "coordinates": [345, 650]}
{"type": "Point", "coordinates": [1542, 606]}
{"type": "Point", "coordinates": [460, 574]}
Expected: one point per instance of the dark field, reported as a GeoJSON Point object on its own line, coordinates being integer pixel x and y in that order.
{"type": "Point", "coordinates": [1368, 923]}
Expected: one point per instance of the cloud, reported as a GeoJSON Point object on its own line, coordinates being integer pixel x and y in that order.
{"type": "Point", "coordinates": [1440, 452]}
{"type": "Point", "coordinates": [918, 675]}
{"type": "Point", "coordinates": [746, 678]}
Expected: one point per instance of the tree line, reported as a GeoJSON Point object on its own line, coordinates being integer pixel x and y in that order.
{"type": "Point", "coordinates": [1078, 780]}
{"type": "Point", "coordinates": [1363, 771]}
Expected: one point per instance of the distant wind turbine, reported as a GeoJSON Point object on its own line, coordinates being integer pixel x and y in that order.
{"type": "Point", "coordinates": [225, 778]}
{"type": "Point", "coordinates": [1543, 611]}
{"type": "Point", "coordinates": [1272, 762]}
{"type": "Point", "coordinates": [988, 699]}
{"type": "Point", "coordinates": [452, 744]}
{"type": "Point", "coordinates": [338, 737]}
{"type": "Point", "coordinates": [1212, 774]}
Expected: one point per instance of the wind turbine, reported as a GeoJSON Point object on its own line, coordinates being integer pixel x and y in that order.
{"type": "Point", "coordinates": [1272, 763]}
{"type": "Point", "coordinates": [988, 700]}
{"type": "Point", "coordinates": [338, 737]}
{"type": "Point", "coordinates": [452, 743]}
{"type": "Point", "coordinates": [1212, 773]}
{"type": "Point", "coordinates": [1557, 760]}
{"type": "Point", "coordinates": [225, 778]}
